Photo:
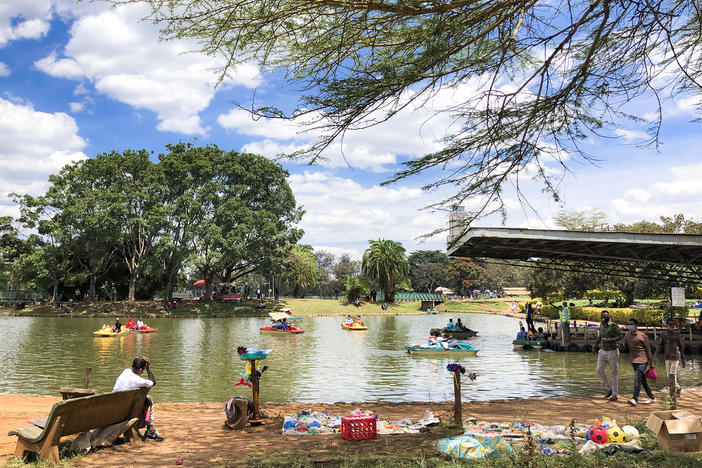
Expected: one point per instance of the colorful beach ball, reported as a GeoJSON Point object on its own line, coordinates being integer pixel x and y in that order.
{"type": "Point", "coordinates": [597, 434]}
{"type": "Point", "coordinates": [615, 435]}
{"type": "Point", "coordinates": [630, 433]}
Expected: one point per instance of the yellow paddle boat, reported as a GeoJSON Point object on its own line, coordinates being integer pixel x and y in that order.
{"type": "Point", "coordinates": [355, 326]}
{"type": "Point", "coordinates": [105, 332]}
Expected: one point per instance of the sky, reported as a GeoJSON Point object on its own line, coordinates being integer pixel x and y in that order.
{"type": "Point", "coordinates": [81, 78]}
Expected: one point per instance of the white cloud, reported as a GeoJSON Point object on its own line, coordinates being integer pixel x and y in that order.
{"type": "Point", "coordinates": [632, 135]}
{"type": "Point", "coordinates": [124, 59]}
{"type": "Point", "coordinates": [354, 254]}
{"type": "Point", "coordinates": [680, 193]}
{"type": "Point", "coordinates": [4, 69]}
{"type": "Point", "coordinates": [637, 194]}
{"type": "Point", "coordinates": [24, 19]}
{"type": "Point", "coordinates": [33, 145]}
{"type": "Point", "coordinates": [76, 107]}
{"type": "Point", "coordinates": [344, 213]}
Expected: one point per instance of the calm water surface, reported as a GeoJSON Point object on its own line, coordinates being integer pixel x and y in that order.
{"type": "Point", "coordinates": [196, 360]}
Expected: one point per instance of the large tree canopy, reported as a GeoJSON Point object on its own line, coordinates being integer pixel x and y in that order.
{"type": "Point", "coordinates": [532, 80]}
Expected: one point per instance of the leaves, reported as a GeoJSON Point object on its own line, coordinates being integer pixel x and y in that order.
{"type": "Point", "coordinates": [385, 262]}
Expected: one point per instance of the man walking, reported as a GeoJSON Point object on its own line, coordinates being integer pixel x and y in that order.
{"type": "Point", "coordinates": [641, 358]}
{"type": "Point", "coordinates": [674, 353]}
{"type": "Point", "coordinates": [608, 354]}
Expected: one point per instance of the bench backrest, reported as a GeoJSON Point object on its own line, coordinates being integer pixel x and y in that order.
{"type": "Point", "coordinates": [95, 411]}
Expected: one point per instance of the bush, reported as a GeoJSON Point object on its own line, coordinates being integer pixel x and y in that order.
{"type": "Point", "coordinates": [602, 294]}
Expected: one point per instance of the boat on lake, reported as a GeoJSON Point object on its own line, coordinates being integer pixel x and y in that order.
{"type": "Point", "coordinates": [275, 331]}
{"type": "Point", "coordinates": [144, 329]}
{"type": "Point", "coordinates": [355, 326]}
{"type": "Point", "coordinates": [279, 317]}
{"type": "Point", "coordinates": [438, 350]}
{"type": "Point", "coordinates": [536, 343]}
{"type": "Point", "coordinates": [108, 332]}
{"type": "Point", "coordinates": [454, 332]}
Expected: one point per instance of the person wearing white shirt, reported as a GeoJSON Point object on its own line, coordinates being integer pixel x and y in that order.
{"type": "Point", "coordinates": [130, 379]}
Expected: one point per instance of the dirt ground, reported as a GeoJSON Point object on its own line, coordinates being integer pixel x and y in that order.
{"type": "Point", "coordinates": [195, 433]}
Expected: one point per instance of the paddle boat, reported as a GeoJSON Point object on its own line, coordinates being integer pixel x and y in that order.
{"type": "Point", "coordinates": [272, 330]}
{"type": "Point", "coordinates": [354, 326]}
{"type": "Point", "coordinates": [107, 331]}
{"type": "Point", "coordinates": [535, 343]}
{"type": "Point", "coordinates": [144, 329]}
{"type": "Point", "coordinates": [454, 332]}
{"type": "Point", "coordinates": [438, 350]}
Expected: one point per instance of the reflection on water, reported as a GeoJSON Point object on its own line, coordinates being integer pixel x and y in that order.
{"type": "Point", "coordinates": [196, 360]}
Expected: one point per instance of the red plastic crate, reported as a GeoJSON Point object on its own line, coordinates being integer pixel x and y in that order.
{"type": "Point", "coordinates": [359, 428]}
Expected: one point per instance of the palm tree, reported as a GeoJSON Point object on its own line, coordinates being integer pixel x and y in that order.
{"type": "Point", "coordinates": [385, 262]}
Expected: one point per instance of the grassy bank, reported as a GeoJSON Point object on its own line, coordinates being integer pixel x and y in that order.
{"type": "Point", "coordinates": [155, 309]}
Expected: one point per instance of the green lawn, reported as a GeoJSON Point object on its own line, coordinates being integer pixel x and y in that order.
{"type": "Point", "coordinates": [333, 307]}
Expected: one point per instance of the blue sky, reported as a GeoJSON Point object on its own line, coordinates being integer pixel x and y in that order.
{"type": "Point", "coordinates": [78, 79]}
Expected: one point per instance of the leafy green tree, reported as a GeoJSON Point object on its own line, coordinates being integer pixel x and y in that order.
{"type": "Point", "coordinates": [249, 215]}
{"type": "Point", "coordinates": [463, 275]}
{"type": "Point", "coordinates": [86, 206]}
{"type": "Point", "coordinates": [419, 257]}
{"type": "Point", "coordinates": [184, 172]}
{"type": "Point", "coordinates": [544, 76]}
{"type": "Point", "coordinates": [300, 268]}
{"type": "Point", "coordinates": [385, 262]}
{"type": "Point", "coordinates": [138, 206]}
{"type": "Point", "coordinates": [427, 269]}
{"type": "Point", "coordinates": [346, 268]}
{"type": "Point", "coordinates": [428, 276]}
{"type": "Point", "coordinates": [325, 263]}
{"type": "Point", "coordinates": [11, 247]}
{"type": "Point", "coordinates": [46, 259]}
{"type": "Point", "coordinates": [356, 287]}
{"type": "Point", "coordinates": [593, 220]}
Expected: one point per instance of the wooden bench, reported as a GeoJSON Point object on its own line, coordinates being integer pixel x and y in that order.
{"type": "Point", "coordinates": [78, 415]}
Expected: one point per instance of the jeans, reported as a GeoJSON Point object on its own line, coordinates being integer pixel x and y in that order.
{"type": "Point", "coordinates": [640, 379]}
{"type": "Point", "coordinates": [611, 358]}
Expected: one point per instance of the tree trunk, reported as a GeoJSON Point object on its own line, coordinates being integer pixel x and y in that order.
{"type": "Point", "coordinates": [168, 293]}
{"type": "Point", "coordinates": [132, 288]}
{"type": "Point", "coordinates": [91, 287]}
{"type": "Point", "coordinates": [54, 293]}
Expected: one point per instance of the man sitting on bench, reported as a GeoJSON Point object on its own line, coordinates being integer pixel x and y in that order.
{"type": "Point", "coordinates": [131, 379]}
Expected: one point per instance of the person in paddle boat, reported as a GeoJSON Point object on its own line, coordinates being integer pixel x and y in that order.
{"type": "Point", "coordinates": [431, 341]}
{"type": "Point", "coordinates": [281, 324]}
{"type": "Point", "coordinates": [450, 343]}
{"type": "Point", "coordinates": [118, 326]}
{"type": "Point", "coordinates": [140, 324]}
{"type": "Point", "coordinates": [349, 321]}
{"type": "Point", "coordinates": [359, 321]}
{"type": "Point", "coordinates": [130, 379]}
{"type": "Point", "coordinates": [522, 335]}
{"type": "Point", "coordinates": [131, 324]}
{"type": "Point", "coordinates": [105, 327]}
{"type": "Point", "coordinates": [460, 326]}
{"type": "Point", "coordinates": [450, 325]}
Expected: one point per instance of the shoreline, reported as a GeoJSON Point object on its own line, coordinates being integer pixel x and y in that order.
{"type": "Point", "coordinates": [300, 307]}
{"type": "Point", "coordinates": [204, 438]}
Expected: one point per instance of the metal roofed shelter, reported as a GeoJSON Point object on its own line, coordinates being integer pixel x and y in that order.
{"type": "Point", "coordinates": [654, 256]}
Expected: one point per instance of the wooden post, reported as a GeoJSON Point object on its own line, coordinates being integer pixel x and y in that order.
{"type": "Point", "coordinates": [457, 412]}
{"type": "Point", "coordinates": [254, 390]}
{"type": "Point", "coordinates": [86, 380]}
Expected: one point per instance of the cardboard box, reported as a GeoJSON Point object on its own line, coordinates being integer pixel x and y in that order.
{"type": "Point", "coordinates": [677, 431]}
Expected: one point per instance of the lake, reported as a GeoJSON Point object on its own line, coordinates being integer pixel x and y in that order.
{"type": "Point", "coordinates": [196, 360]}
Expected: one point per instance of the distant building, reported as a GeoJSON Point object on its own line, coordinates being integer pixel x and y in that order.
{"type": "Point", "coordinates": [458, 224]}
